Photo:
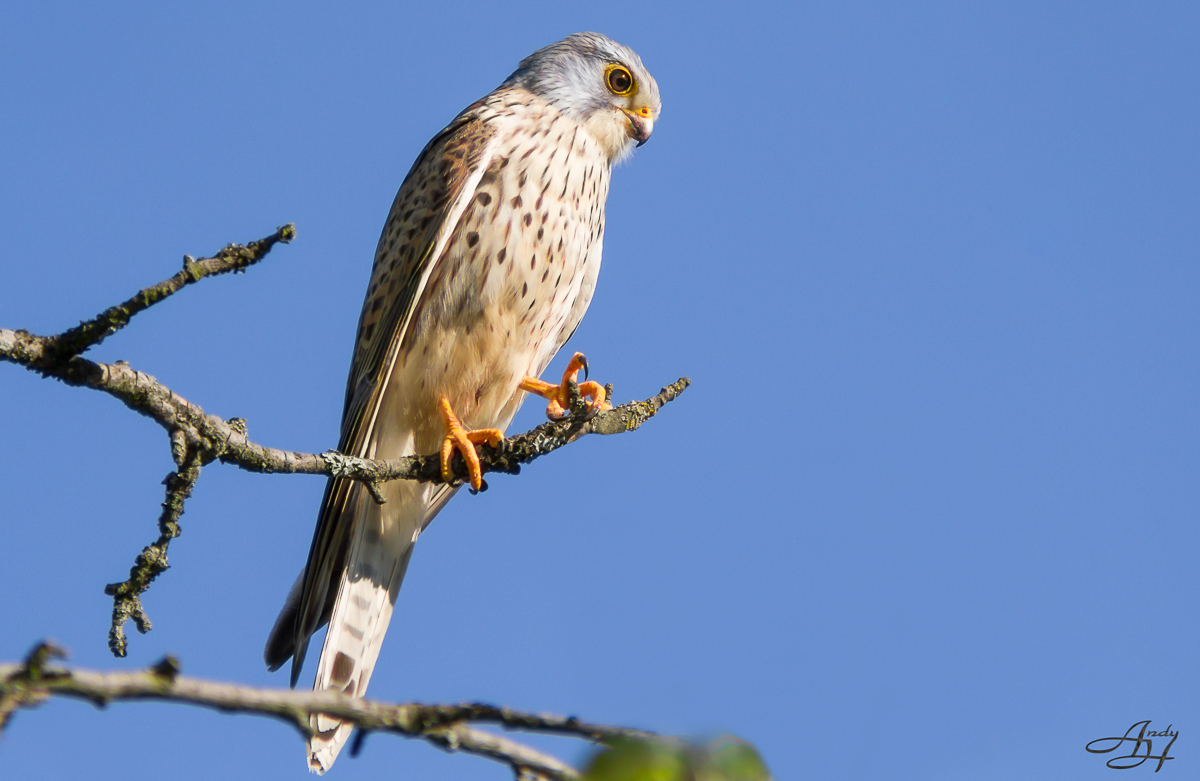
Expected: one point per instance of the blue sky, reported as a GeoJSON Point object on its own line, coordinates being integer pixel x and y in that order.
{"type": "Point", "coordinates": [929, 509]}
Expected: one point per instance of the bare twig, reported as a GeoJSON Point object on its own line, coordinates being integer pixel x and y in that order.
{"type": "Point", "coordinates": [233, 258]}
{"type": "Point", "coordinates": [152, 561]}
{"type": "Point", "coordinates": [451, 727]}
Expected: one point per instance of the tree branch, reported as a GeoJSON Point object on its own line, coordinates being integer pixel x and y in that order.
{"type": "Point", "coordinates": [198, 438]}
{"type": "Point", "coordinates": [152, 561]}
{"type": "Point", "coordinates": [233, 258]}
{"type": "Point", "coordinates": [451, 727]}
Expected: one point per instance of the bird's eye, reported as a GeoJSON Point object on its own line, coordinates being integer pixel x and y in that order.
{"type": "Point", "coordinates": [619, 80]}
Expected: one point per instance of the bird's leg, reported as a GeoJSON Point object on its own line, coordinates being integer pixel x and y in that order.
{"type": "Point", "coordinates": [465, 441]}
{"type": "Point", "coordinates": [559, 396]}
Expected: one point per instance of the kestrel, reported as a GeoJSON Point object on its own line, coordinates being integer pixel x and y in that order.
{"type": "Point", "coordinates": [487, 262]}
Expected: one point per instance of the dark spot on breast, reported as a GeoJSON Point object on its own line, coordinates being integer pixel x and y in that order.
{"type": "Point", "coordinates": [528, 220]}
{"type": "Point", "coordinates": [516, 202]}
{"type": "Point", "coordinates": [483, 199]}
{"type": "Point", "coordinates": [524, 289]}
{"type": "Point", "coordinates": [472, 239]}
{"type": "Point", "coordinates": [500, 256]}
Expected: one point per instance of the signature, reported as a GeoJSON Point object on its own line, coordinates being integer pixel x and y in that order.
{"type": "Point", "coordinates": [1143, 737]}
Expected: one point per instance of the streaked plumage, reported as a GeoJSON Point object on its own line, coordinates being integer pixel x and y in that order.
{"type": "Point", "coordinates": [486, 265]}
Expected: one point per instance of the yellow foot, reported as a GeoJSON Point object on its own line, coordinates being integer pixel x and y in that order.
{"type": "Point", "coordinates": [559, 397]}
{"type": "Point", "coordinates": [465, 441]}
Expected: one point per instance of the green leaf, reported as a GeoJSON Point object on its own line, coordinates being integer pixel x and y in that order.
{"type": "Point", "coordinates": [637, 760]}
{"type": "Point", "coordinates": [726, 758]}
{"type": "Point", "coordinates": [737, 760]}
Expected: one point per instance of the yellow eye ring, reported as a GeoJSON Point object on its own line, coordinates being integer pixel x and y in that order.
{"type": "Point", "coordinates": [619, 81]}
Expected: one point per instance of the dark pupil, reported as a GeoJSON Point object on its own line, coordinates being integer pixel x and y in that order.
{"type": "Point", "coordinates": [619, 81]}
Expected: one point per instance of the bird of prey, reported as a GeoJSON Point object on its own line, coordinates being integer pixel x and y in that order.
{"type": "Point", "coordinates": [486, 264]}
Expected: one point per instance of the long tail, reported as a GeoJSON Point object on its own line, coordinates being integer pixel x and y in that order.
{"type": "Point", "coordinates": [380, 549]}
{"type": "Point", "coordinates": [360, 619]}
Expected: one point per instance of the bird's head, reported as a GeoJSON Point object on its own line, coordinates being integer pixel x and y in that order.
{"type": "Point", "coordinates": [598, 82]}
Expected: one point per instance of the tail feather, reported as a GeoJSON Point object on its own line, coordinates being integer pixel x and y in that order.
{"type": "Point", "coordinates": [359, 555]}
{"type": "Point", "coordinates": [380, 549]}
{"type": "Point", "coordinates": [356, 630]}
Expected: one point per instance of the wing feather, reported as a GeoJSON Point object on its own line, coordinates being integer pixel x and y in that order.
{"type": "Point", "coordinates": [427, 208]}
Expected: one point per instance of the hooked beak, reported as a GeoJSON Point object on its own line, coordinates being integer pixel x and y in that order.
{"type": "Point", "coordinates": [640, 126]}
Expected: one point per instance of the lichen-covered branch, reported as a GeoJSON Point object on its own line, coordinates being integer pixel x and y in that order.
{"type": "Point", "coordinates": [452, 727]}
{"type": "Point", "coordinates": [213, 438]}
{"type": "Point", "coordinates": [127, 603]}
{"type": "Point", "coordinates": [233, 258]}
{"type": "Point", "coordinates": [199, 438]}
{"type": "Point", "coordinates": [227, 440]}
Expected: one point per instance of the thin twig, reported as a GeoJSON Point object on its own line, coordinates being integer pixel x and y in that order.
{"type": "Point", "coordinates": [152, 561]}
{"type": "Point", "coordinates": [232, 258]}
{"type": "Point", "coordinates": [451, 727]}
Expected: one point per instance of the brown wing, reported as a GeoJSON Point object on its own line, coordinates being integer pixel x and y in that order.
{"type": "Point", "coordinates": [422, 218]}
